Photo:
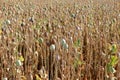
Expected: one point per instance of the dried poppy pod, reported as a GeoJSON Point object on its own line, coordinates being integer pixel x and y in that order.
{"type": "Point", "coordinates": [48, 43]}
{"type": "Point", "coordinates": [31, 19]}
{"type": "Point", "coordinates": [53, 41]}
{"type": "Point", "coordinates": [22, 24]}
{"type": "Point", "coordinates": [46, 34]}
{"type": "Point", "coordinates": [36, 54]}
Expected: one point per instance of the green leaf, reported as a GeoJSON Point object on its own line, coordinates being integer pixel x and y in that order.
{"type": "Point", "coordinates": [113, 48]}
{"type": "Point", "coordinates": [21, 58]}
{"type": "Point", "coordinates": [37, 77]}
{"type": "Point", "coordinates": [77, 43]}
{"type": "Point", "coordinates": [114, 60]}
{"type": "Point", "coordinates": [77, 62]}
{"type": "Point", "coordinates": [110, 68]}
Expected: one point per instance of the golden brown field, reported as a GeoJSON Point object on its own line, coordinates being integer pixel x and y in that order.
{"type": "Point", "coordinates": [59, 39]}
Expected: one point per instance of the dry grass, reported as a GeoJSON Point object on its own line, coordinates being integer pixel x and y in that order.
{"type": "Point", "coordinates": [59, 40]}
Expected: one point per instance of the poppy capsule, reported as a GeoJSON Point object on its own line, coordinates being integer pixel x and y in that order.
{"type": "Point", "coordinates": [52, 47]}
{"type": "Point", "coordinates": [8, 22]}
{"type": "Point", "coordinates": [63, 41]}
{"type": "Point", "coordinates": [18, 63]}
{"type": "Point", "coordinates": [65, 46]}
{"type": "Point", "coordinates": [5, 78]}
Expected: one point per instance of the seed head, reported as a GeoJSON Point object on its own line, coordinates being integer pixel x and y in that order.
{"type": "Point", "coordinates": [5, 78]}
{"type": "Point", "coordinates": [18, 63]}
{"type": "Point", "coordinates": [63, 41]}
{"type": "Point", "coordinates": [52, 47]}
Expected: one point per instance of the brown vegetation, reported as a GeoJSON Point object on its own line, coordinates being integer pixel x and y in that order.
{"type": "Point", "coordinates": [59, 40]}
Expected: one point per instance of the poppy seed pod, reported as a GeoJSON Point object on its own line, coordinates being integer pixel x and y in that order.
{"type": "Point", "coordinates": [23, 24]}
{"type": "Point", "coordinates": [63, 41]}
{"type": "Point", "coordinates": [41, 40]}
{"type": "Point", "coordinates": [52, 47]}
{"type": "Point", "coordinates": [65, 46]}
{"type": "Point", "coordinates": [18, 71]}
{"type": "Point", "coordinates": [57, 56]}
{"type": "Point", "coordinates": [18, 63]}
{"type": "Point", "coordinates": [77, 28]}
{"type": "Point", "coordinates": [36, 53]}
{"type": "Point", "coordinates": [8, 22]}
{"type": "Point", "coordinates": [31, 19]}
{"type": "Point", "coordinates": [5, 78]}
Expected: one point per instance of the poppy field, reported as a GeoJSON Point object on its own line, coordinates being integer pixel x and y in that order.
{"type": "Point", "coordinates": [59, 39]}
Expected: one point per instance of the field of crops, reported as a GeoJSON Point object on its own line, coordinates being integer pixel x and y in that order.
{"type": "Point", "coordinates": [59, 39]}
